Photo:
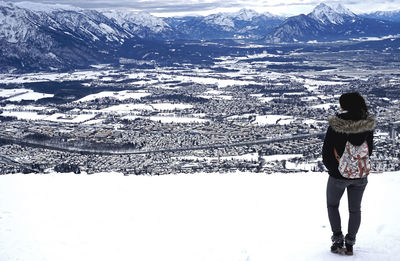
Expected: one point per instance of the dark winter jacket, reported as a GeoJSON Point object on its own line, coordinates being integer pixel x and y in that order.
{"type": "Point", "coordinates": [341, 129]}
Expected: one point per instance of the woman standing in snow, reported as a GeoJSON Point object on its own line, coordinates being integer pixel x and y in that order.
{"type": "Point", "coordinates": [353, 127]}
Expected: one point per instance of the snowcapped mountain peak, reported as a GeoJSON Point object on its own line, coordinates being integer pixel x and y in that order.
{"type": "Point", "coordinates": [339, 8]}
{"type": "Point", "coordinates": [321, 7]}
{"type": "Point", "coordinates": [227, 20]}
{"type": "Point", "coordinates": [245, 14]}
{"type": "Point", "coordinates": [242, 15]}
{"type": "Point", "coordinates": [221, 19]}
{"type": "Point", "coordinates": [330, 14]}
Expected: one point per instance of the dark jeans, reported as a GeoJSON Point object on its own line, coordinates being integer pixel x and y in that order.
{"type": "Point", "coordinates": [334, 192]}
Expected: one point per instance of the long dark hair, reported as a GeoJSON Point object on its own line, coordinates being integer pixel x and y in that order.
{"type": "Point", "coordinates": [355, 105]}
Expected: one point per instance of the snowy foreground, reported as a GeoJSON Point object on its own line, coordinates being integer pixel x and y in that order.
{"type": "Point", "coordinates": [210, 217]}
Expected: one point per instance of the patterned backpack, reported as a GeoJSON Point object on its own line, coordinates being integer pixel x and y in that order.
{"type": "Point", "coordinates": [355, 162]}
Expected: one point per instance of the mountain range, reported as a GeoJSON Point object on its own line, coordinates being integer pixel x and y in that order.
{"type": "Point", "coordinates": [244, 24]}
{"type": "Point", "coordinates": [36, 37]}
{"type": "Point", "coordinates": [393, 16]}
{"type": "Point", "coordinates": [331, 23]}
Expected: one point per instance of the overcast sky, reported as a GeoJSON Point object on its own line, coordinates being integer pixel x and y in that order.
{"type": "Point", "coordinates": [205, 7]}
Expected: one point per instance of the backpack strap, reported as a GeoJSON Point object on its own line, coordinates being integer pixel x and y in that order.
{"type": "Point", "coordinates": [336, 154]}
{"type": "Point", "coordinates": [335, 151]}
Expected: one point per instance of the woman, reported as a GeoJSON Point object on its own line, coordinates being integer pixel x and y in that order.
{"type": "Point", "coordinates": [356, 126]}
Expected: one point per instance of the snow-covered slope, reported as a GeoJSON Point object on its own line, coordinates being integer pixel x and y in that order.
{"type": "Point", "coordinates": [211, 217]}
{"type": "Point", "coordinates": [88, 25]}
{"type": "Point", "coordinates": [40, 37]}
{"type": "Point", "coordinates": [141, 24]}
{"type": "Point", "coordinates": [101, 23]}
{"type": "Point", "coordinates": [17, 24]}
{"type": "Point", "coordinates": [28, 17]}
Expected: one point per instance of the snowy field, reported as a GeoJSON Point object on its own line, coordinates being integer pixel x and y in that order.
{"type": "Point", "coordinates": [119, 95]}
{"type": "Point", "coordinates": [209, 217]}
{"type": "Point", "coordinates": [23, 94]}
{"type": "Point", "coordinates": [274, 119]}
{"type": "Point", "coordinates": [246, 157]}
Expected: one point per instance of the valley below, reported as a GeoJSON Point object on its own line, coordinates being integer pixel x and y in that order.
{"type": "Point", "coordinates": [259, 108]}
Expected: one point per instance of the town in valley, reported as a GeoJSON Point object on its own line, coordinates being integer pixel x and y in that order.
{"type": "Point", "coordinates": [258, 108]}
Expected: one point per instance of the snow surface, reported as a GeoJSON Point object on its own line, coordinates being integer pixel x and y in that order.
{"type": "Point", "coordinates": [311, 84]}
{"type": "Point", "coordinates": [265, 99]}
{"type": "Point", "coordinates": [30, 95]}
{"type": "Point", "coordinates": [24, 115]}
{"type": "Point", "coordinates": [56, 117]}
{"type": "Point", "coordinates": [61, 117]}
{"type": "Point", "coordinates": [233, 217]}
{"type": "Point", "coordinates": [167, 118]}
{"type": "Point", "coordinates": [218, 97]}
{"type": "Point", "coordinates": [222, 83]}
{"type": "Point", "coordinates": [119, 95]}
{"type": "Point", "coordinates": [128, 108]}
{"type": "Point", "coordinates": [12, 92]}
{"type": "Point", "coordinates": [274, 119]}
{"type": "Point", "coordinates": [325, 106]}
{"type": "Point", "coordinates": [52, 77]}
{"type": "Point", "coordinates": [246, 157]}
{"type": "Point", "coordinates": [375, 38]}
{"type": "Point", "coordinates": [171, 119]}
{"type": "Point", "coordinates": [278, 157]}
{"type": "Point", "coordinates": [171, 106]}
{"type": "Point", "coordinates": [22, 94]}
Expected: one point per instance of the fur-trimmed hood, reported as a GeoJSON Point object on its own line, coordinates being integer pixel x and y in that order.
{"type": "Point", "coordinates": [352, 127]}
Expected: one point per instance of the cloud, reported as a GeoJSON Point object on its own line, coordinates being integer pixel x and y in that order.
{"type": "Point", "coordinates": [159, 6]}
{"type": "Point", "coordinates": [198, 6]}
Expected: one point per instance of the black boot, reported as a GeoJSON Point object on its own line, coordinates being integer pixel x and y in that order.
{"type": "Point", "coordinates": [337, 243]}
{"type": "Point", "coordinates": [350, 241]}
{"type": "Point", "coordinates": [349, 249]}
